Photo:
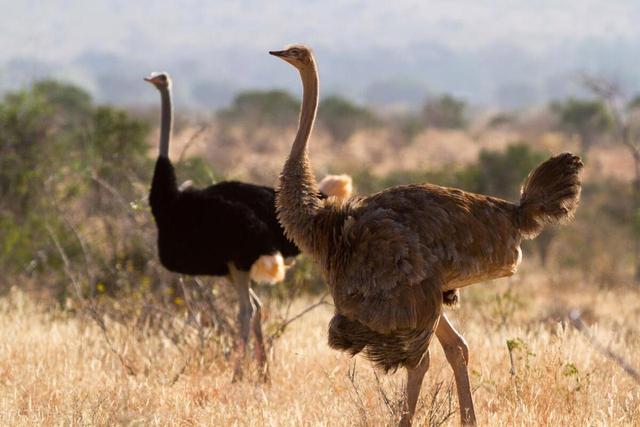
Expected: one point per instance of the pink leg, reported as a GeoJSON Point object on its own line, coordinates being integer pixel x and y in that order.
{"type": "Point", "coordinates": [414, 382]}
{"type": "Point", "coordinates": [261, 354]}
{"type": "Point", "coordinates": [241, 282]}
{"type": "Point", "coordinates": [457, 353]}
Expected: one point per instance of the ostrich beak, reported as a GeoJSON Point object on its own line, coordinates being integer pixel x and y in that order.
{"type": "Point", "coordinates": [278, 53]}
{"type": "Point", "coordinates": [151, 79]}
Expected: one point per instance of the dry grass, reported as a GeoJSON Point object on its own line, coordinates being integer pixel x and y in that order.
{"type": "Point", "coordinates": [56, 368]}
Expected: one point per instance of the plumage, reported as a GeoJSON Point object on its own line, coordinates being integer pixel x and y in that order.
{"type": "Point", "coordinates": [227, 229]}
{"type": "Point", "coordinates": [392, 259]}
{"type": "Point", "coordinates": [397, 242]}
{"type": "Point", "coordinates": [201, 230]}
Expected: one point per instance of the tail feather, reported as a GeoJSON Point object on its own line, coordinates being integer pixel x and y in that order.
{"type": "Point", "coordinates": [550, 194]}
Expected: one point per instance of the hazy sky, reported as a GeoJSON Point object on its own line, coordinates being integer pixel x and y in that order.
{"type": "Point", "coordinates": [158, 31]}
{"type": "Point", "coordinates": [58, 29]}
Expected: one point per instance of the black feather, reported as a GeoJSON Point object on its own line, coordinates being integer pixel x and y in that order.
{"type": "Point", "coordinates": [201, 230]}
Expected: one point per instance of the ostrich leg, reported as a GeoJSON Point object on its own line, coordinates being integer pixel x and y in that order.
{"type": "Point", "coordinates": [256, 321]}
{"type": "Point", "coordinates": [414, 382]}
{"type": "Point", "coordinates": [242, 282]}
{"type": "Point", "coordinates": [457, 353]}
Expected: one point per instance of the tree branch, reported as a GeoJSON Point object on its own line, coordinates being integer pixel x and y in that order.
{"type": "Point", "coordinates": [577, 323]}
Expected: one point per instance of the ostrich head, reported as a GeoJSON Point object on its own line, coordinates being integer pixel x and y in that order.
{"type": "Point", "coordinates": [297, 55]}
{"type": "Point", "coordinates": [160, 80]}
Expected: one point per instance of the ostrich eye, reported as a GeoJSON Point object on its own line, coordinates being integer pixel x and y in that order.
{"type": "Point", "coordinates": [163, 78]}
{"type": "Point", "coordinates": [295, 51]}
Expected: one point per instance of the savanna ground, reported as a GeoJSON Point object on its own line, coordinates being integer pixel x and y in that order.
{"type": "Point", "coordinates": [96, 332]}
{"type": "Point", "coordinates": [58, 368]}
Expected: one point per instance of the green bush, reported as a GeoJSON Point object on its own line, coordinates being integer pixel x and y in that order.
{"type": "Point", "coordinates": [496, 173]}
{"type": "Point", "coordinates": [342, 118]}
{"type": "Point", "coordinates": [587, 118]}
{"type": "Point", "coordinates": [197, 170]}
{"type": "Point", "coordinates": [61, 159]}
{"type": "Point", "coordinates": [262, 108]}
{"type": "Point", "coordinates": [445, 112]}
{"type": "Point", "coordinates": [501, 174]}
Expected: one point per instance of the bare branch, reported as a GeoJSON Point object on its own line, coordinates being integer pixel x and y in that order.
{"type": "Point", "coordinates": [612, 96]}
{"type": "Point", "coordinates": [191, 140]}
{"type": "Point", "coordinates": [577, 322]}
{"type": "Point", "coordinates": [281, 328]}
{"type": "Point", "coordinates": [88, 306]}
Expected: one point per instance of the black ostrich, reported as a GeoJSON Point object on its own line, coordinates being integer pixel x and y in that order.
{"type": "Point", "coordinates": [227, 229]}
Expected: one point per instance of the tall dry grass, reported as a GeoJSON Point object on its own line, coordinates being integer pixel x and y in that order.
{"type": "Point", "coordinates": [56, 367]}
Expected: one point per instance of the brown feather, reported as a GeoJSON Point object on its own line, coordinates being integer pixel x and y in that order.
{"type": "Point", "coordinates": [398, 248]}
{"type": "Point", "coordinates": [550, 194]}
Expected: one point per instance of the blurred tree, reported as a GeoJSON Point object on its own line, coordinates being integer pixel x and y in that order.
{"type": "Point", "coordinates": [255, 109]}
{"type": "Point", "coordinates": [117, 147]}
{"type": "Point", "coordinates": [500, 173]}
{"type": "Point", "coordinates": [55, 145]}
{"type": "Point", "coordinates": [598, 244]}
{"type": "Point", "coordinates": [71, 103]}
{"type": "Point", "coordinates": [589, 119]}
{"type": "Point", "coordinates": [501, 119]}
{"type": "Point", "coordinates": [409, 126]}
{"type": "Point", "coordinates": [445, 112]}
{"type": "Point", "coordinates": [342, 117]}
{"type": "Point", "coordinates": [40, 129]}
{"type": "Point", "coordinates": [634, 104]}
{"type": "Point", "coordinates": [626, 127]}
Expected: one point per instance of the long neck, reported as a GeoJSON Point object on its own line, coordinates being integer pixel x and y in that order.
{"type": "Point", "coordinates": [298, 201]}
{"type": "Point", "coordinates": [166, 121]}
{"type": "Point", "coordinates": [308, 110]}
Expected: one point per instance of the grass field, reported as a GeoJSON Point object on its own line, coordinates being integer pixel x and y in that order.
{"type": "Point", "coordinates": [57, 368]}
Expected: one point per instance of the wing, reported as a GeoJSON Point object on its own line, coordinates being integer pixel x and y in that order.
{"type": "Point", "coordinates": [388, 281]}
{"type": "Point", "coordinates": [401, 247]}
{"type": "Point", "coordinates": [252, 234]}
{"type": "Point", "coordinates": [225, 227]}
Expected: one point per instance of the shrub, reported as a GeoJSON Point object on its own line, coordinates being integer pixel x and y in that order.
{"type": "Point", "coordinates": [445, 112]}
{"type": "Point", "coordinates": [342, 118]}
{"type": "Point", "coordinates": [262, 108]}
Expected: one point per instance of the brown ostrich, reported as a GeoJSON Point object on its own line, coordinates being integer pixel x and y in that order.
{"type": "Point", "coordinates": [390, 257]}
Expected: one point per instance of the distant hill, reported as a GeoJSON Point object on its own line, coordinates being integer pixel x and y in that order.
{"type": "Point", "coordinates": [507, 53]}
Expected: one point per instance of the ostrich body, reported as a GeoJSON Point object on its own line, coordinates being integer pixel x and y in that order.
{"type": "Point", "coordinates": [227, 229]}
{"type": "Point", "coordinates": [393, 258]}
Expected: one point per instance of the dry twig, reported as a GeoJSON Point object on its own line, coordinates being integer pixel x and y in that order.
{"type": "Point", "coordinates": [282, 326]}
{"type": "Point", "coordinates": [191, 140]}
{"type": "Point", "coordinates": [577, 323]}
